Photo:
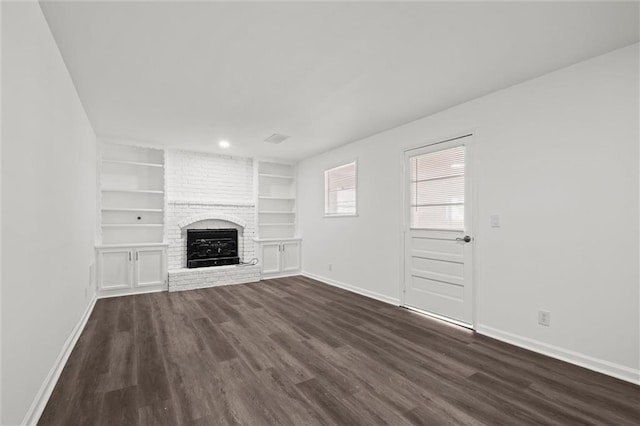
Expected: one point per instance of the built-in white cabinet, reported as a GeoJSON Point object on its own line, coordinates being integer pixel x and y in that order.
{"type": "Point", "coordinates": [131, 253]}
{"type": "Point", "coordinates": [278, 246]}
{"type": "Point", "coordinates": [126, 270]}
{"type": "Point", "coordinates": [290, 256]}
{"type": "Point", "coordinates": [114, 269]}
{"type": "Point", "coordinates": [279, 258]}
{"type": "Point", "coordinates": [270, 257]}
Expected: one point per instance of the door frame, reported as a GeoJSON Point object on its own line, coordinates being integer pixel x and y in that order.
{"type": "Point", "coordinates": [471, 172]}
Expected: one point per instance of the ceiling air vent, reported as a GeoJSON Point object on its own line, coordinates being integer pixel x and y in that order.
{"type": "Point", "coordinates": [276, 138]}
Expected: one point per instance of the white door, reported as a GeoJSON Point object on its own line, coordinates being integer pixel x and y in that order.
{"type": "Point", "coordinates": [290, 256]}
{"type": "Point", "coordinates": [270, 257]}
{"type": "Point", "coordinates": [438, 234]}
{"type": "Point", "coordinates": [114, 269]}
{"type": "Point", "coordinates": [150, 267]}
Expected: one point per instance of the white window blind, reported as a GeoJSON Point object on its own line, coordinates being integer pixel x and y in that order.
{"type": "Point", "coordinates": [340, 190]}
{"type": "Point", "coordinates": [437, 190]}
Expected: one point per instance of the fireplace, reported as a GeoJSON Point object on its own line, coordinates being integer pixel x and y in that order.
{"type": "Point", "coordinates": [212, 247]}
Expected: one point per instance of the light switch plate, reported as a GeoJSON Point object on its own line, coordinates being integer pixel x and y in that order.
{"type": "Point", "coordinates": [495, 221]}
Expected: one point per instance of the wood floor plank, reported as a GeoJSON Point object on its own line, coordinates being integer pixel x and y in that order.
{"type": "Point", "coordinates": [293, 351]}
{"type": "Point", "coordinates": [328, 404]}
{"type": "Point", "coordinates": [120, 407]}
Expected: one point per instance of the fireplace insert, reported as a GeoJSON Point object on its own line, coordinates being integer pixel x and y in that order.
{"type": "Point", "coordinates": [212, 247]}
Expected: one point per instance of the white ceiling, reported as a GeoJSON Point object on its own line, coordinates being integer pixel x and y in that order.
{"type": "Point", "coordinates": [185, 75]}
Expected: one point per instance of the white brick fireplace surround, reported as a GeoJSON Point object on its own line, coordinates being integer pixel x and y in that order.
{"type": "Point", "coordinates": [198, 189]}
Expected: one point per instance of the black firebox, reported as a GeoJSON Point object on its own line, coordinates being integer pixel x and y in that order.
{"type": "Point", "coordinates": [212, 247]}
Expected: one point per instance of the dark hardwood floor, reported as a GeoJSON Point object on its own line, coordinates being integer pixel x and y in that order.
{"type": "Point", "coordinates": [296, 351]}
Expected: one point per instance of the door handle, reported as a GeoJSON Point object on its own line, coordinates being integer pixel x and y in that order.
{"type": "Point", "coordinates": [466, 239]}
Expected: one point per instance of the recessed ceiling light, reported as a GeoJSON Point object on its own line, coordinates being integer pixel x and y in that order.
{"type": "Point", "coordinates": [224, 144]}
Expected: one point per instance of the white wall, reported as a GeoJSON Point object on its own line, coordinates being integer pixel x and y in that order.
{"type": "Point", "coordinates": [557, 157]}
{"type": "Point", "coordinates": [48, 216]}
{"type": "Point", "coordinates": [197, 176]}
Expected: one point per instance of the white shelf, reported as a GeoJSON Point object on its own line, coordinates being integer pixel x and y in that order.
{"type": "Point", "coordinates": [277, 198]}
{"type": "Point", "coordinates": [268, 175]}
{"type": "Point", "coordinates": [132, 245]}
{"type": "Point", "coordinates": [275, 212]}
{"type": "Point", "coordinates": [132, 163]}
{"type": "Point", "coordinates": [132, 210]}
{"type": "Point", "coordinates": [270, 240]}
{"type": "Point", "coordinates": [132, 225]}
{"type": "Point", "coordinates": [134, 191]}
{"type": "Point", "coordinates": [277, 224]}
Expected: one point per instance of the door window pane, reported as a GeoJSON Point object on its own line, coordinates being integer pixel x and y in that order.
{"type": "Point", "coordinates": [437, 190]}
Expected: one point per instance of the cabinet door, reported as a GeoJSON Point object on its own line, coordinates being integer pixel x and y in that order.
{"type": "Point", "coordinates": [290, 256]}
{"type": "Point", "coordinates": [270, 258]}
{"type": "Point", "coordinates": [150, 267]}
{"type": "Point", "coordinates": [114, 269]}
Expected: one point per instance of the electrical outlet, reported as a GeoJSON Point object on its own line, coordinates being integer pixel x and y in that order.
{"type": "Point", "coordinates": [330, 267]}
{"type": "Point", "coordinates": [544, 318]}
{"type": "Point", "coordinates": [495, 220]}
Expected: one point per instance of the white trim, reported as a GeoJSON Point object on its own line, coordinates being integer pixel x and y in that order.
{"type": "Point", "coordinates": [439, 317]}
{"type": "Point", "coordinates": [361, 291]}
{"type": "Point", "coordinates": [599, 365]}
{"type": "Point", "coordinates": [343, 164]}
{"type": "Point", "coordinates": [45, 391]}
{"type": "Point", "coordinates": [128, 291]}
{"type": "Point", "coordinates": [130, 245]}
{"type": "Point", "coordinates": [206, 202]}
{"type": "Point", "coordinates": [134, 143]}
{"type": "Point", "coordinates": [211, 216]}
{"type": "Point", "coordinates": [271, 240]}
{"type": "Point", "coordinates": [264, 276]}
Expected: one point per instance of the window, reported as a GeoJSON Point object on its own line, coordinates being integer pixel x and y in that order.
{"type": "Point", "coordinates": [340, 190]}
{"type": "Point", "coordinates": [437, 190]}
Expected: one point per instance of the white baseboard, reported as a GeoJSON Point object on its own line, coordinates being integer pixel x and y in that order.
{"type": "Point", "coordinates": [601, 366]}
{"type": "Point", "coordinates": [372, 294]}
{"type": "Point", "coordinates": [105, 294]}
{"type": "Point", "coordinates": [283, 275]}
{"type": "Point", "coordinates": [44, 393]}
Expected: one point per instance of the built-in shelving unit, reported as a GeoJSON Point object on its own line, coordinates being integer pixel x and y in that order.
{"type": "Point", "coordinates": [132, 194]}
{"type": "Point", "coordinates": [276, 200]}
{"type": "Point", "coordinates": [131, 254]}
{"type": "Point", "coordinates": [278, 245]}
